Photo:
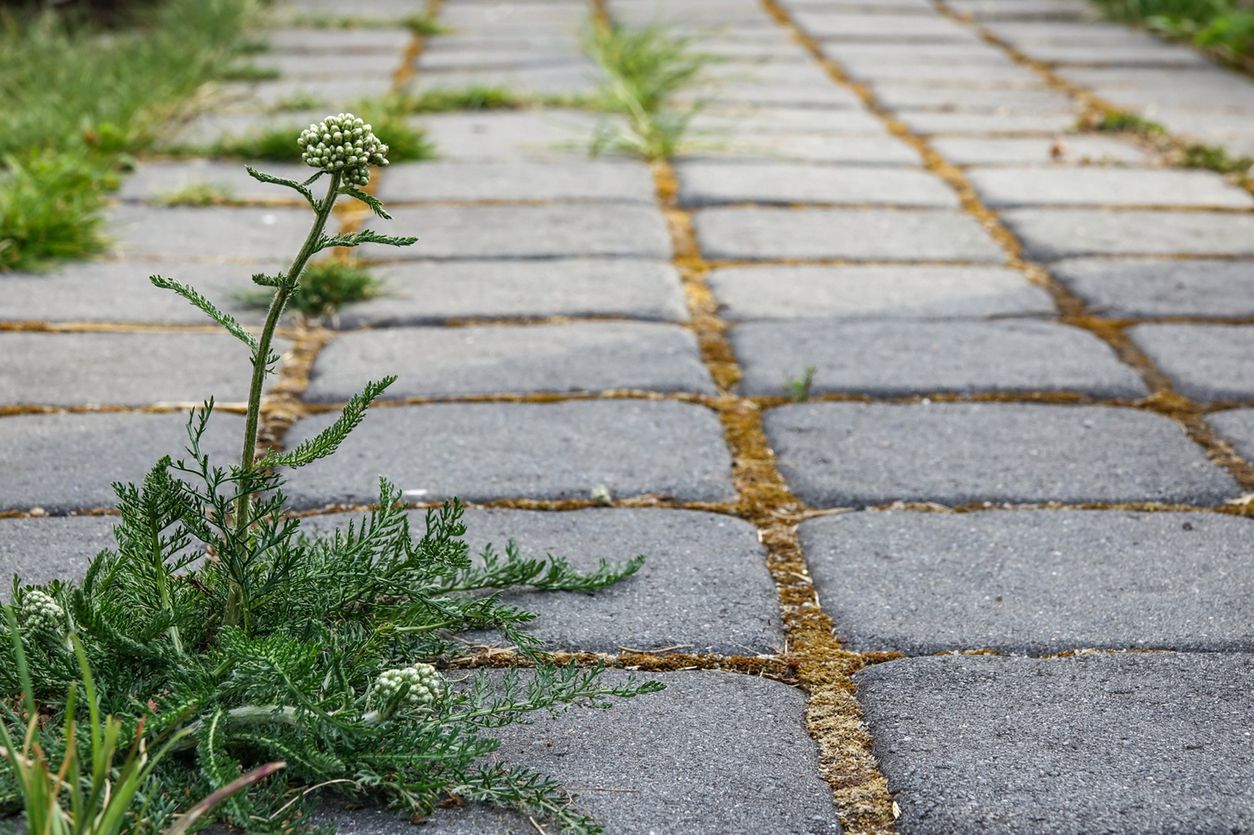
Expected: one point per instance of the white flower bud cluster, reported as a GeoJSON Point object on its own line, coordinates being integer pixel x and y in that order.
{"type": "Point", "coordinates": [40, 613]}
{"type": "Point", "coordinates": [343, 144]}
{"type": "Point", "coordinates": [417, 684]}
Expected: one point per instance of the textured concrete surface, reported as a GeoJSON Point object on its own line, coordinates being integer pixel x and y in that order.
{"type": "Point", "coordinates": [1060, 233]}
{"type": "Point", "coordinates": [571, 179]}
{"type": "Point", "coordinates": [957, 453]}
{"type": "Point", "coordinates": [1004, 187]}
{"type": "Point", "coordinates": [900, 292]}
{"type": "Point", "coordinates": [906, 357]}
{"type": "Point", "coordinates": [482, 451]}
{"type": "Point", "coordinates": [1205, 362]}
{"type": "Point", "coordinates": [65, 462]}
{"type": "Point", "coordinates": [1147, 288]}
{"type": "Point", "coordinates": [857, 234]}
{"type": "Point", "coordinates": [41, 549]}
{"type": "Point", "coordinates": [1034, 581]}
{"type": "Point", "coordinates": [1009, 744]}
{"type": "Point", "coordinates": [583, 356]}
{"type": "Point", "coordinates": [712, 183]}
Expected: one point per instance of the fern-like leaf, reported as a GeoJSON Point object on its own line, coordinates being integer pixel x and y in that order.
{"type": "Point", "coordinates": [328, 440]}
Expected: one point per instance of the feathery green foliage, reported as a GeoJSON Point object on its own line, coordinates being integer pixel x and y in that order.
{"type": "Point", "coordinates": [197, 194]}
{"type": "Point", "coordinates": [799, 388]}
{"type": "Point", "coordinates": [645, 71]}
{"type": "Point", "coordinates": [229, 635]}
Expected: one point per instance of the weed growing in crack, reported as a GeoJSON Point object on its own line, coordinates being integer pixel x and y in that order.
{"type": "Point", "coordinates": [197, 194]}
{"type": "Point", "coordinates": [645, 70]}
{"type": "Point", "coordinates": [50, 204]}
{"type": "Point", "coordinates": [799, 388]}
{"type": "Point", "coordinates": [324, 289]}
{"type": "Point", "coordinates": [221, 636]}
{"type": "Point", "coordinates": [1181, 155]}
{"type": "Point", "coordinates": [406, 143]}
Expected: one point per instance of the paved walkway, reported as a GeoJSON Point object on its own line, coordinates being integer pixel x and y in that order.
{"type": "Point", "coordinates": [1038, 329]}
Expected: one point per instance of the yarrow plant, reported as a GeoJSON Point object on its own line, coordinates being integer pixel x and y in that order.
{"type": "Point", "coordinates": [263, 663]}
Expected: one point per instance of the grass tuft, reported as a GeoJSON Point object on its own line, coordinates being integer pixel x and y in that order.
{"type": "Point", "coordinates": [50, 204]}
{"type": "Point", "coordinates": [325, 288]}
{"type": "Point", "coordinates": [405, 142]}
{"type": "Point", "coordinates": [646, 69]}
{"type": "Point", "coordinates": [1225, 28]}
{"type": "Point", "coordinates": [197, 194]}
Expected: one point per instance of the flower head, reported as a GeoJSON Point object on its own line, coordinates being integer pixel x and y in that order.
{"type": "Point", "coordinates": [343, 145]}
{"type": "Point", "coordinates": [40, 613]}
{"type": "Point", "coordinates": [419, 685]}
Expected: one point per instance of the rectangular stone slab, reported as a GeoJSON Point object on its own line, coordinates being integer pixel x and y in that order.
{"type": "Point", "coordinates": [902, 292]}
{"type": "Point", "coordinates": [606, 180]}
{"type": "Point", "coordinates": [978, 124]}
{"type": "Point", "coordinates": [51, 547]}
{"type": "Point", "coordinates": [756, 234]}
{"type": "Point", "coordinates": [66, 462]}
{"type": "Point", "coordinates": [128, 369]}
{"type": "Point", "coordinates": [119, 291]}
{"type": "Point", "coordinates": [427, 292]}
{"type": "Point", "coordinates": [1034, 581]}
{"type": "Point", "coordinates": [1073, 150]}
{"type": "Point", "coordinates": [704, 586]}
{"type": "Point", "coordinates": [1060, 233]}
{"type": "Point", "coordinates": [1003, 187]}
{"type": "Point", "coordinates": [1237, 426]}
{"type": "Point", "coordinates": [1204, 362]}
{"type": "Point", "coordinates": [486, 451]}
{"type": "Point", "coordinates": [1148, 288]}
{"type": "Point", "coordinates": [712, 183]}
{"type": "Point", "coordinates": [571, 357]}
{"type": "Point", "coordinates": [598, 230]}
{"type": "Point", "coordinates": [163, 180]}
{"type": "Point", "coordinates": [741, 763]}
{"type": "Point", "coordinates": [889, 358]}
{"type": "Point", "coordinates": [216, 233]}
{"type": "Point", "coordinates": [508, 135]}
{"type": "Point", "coordinates": [810, 147]}
{"type": "Point", "coordinates": [855, 454]}
{"type": "Point", "coordinates": [898, 97]}
{"type": "Point", "coordinates": [1098, 743]}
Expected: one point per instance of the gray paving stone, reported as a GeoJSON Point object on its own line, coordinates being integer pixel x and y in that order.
{"type": "Point", "coordinates": [1023, 9]}
{"type": "Point", "coordinates": [119, 291]}
{"type": "Point", "coordinates": [991, 71]}
{"type": "Point", "coordinates": [158, 180]}
{"type": "Point", "coordinates": [609, 180]}
{"type": "Point", "coordinates": [980, 744]}
{"type": "Point", "coordinates": [858, 234]}
{"type": "Point", "coordinates": [1237, 426]}
{"type": "Point", "coordinates": [1204, 362]}
{"type": "Point", "coordinates": [504, 56]}
{"type": "Point", "coordinates": [1034, 581]}
{"type": "Point", "coordinates": [967, 100]}
{"type": "Point", "coordinates": [852, 26]}
{"type": "Point", "coordinates": [737, 123]}
{"type": "Point", "coordinates": [68, 462]}
{"type": "Point", "coordinates": [892, 358]}
{"type": "Point", "coordinates": [936, 54]}
{"type": "Point", "coordinates": [810, 147]}
{"type": "Point", "coordinates": [1070, 150]}
{"type": "Point", "coordinates": [486, 451]}
{"type": "Point", "coordinates": [208, 128]}
{"type": "Point", "coordinates": [826, 95]}
{"type": "Point", "coordinates": [131, 369]}
{"type": "Point", "coordinates": [1142, 287]}
{"type": "Point", "coordinates": [510, 135]}
{"type": "Point", "coordinates": [1115, 55]}
{"type": "Point", "coordinates": [711, 183]}
{"type": "Point", "coordinates": [599, 230]}
{"type": "Point", "coordinates": [331, 93]}
{"type": "Point", "coordinates": [931, 122]}
{"type": "Point", "coordinates": [421, 293]}
{"type": "Point", "coordinates": [48, 548]}
{"type": "Point", "coordinates": [269, 234]}
{"type": "Point", "coordinates": [572, 357]}
{"type": "Point", "coordinates": [1059, 233]}
{"type": "Point", "coordinates": [704, 586]}
{"type": "Point", "coordinates": [1002, 187]}
{"type": "Point", "coordinates": [958, 453]}
{"type": "Point", "coordinates": [307, 65]}
{"type": "Point", "coordinates": [362, 39]}
{"type": "Point", "coordinates": [540, 81]}
{"type": "Point", "coordinates": [800, 292]}
{"type": "Point", "coordinates": [743, 763]}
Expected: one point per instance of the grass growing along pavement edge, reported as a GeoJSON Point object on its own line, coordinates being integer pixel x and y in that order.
{"type": "Point", "coordinates": [325, 287]}
{"type": "Point", "coordinates": [1224, 28]}
{"type": "Point", "coordinates": [1179, 154]}
{"type": "Point", "coordinates": [77, 100]}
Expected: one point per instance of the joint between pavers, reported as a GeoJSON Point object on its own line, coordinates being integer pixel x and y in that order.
{"type": "Point", "coordinates": [662, 660]}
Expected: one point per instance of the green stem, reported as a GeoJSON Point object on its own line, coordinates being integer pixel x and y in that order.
{"type": "Point", "coordinates": [277, 303]}
{"type": "Point", "coordinates": [163, 590]}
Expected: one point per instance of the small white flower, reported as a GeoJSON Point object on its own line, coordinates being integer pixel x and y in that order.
{"type": "Point", "coordinates": [343, 144]}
